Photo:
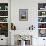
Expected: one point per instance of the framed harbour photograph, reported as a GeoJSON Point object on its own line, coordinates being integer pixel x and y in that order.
{"type": "Point", "coordinates": [23, 14]}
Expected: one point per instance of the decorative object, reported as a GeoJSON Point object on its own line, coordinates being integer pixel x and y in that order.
{"type": "Point", "coordinates": [40, 25]}
{"type": "Point", "coordinates": [3, 19]}
{"type": "Point", "coordinates": [43, 13]}
{"type": "Point", "coordinates": [42, 32]}
{"type": "Point", "coordinates": [23, 14]}
{"type": "Point", "coordinates": [6, 7]}
{"type": "Point", "coordinates": [41, 19]}
{"type": "Point", "coordinates": [13, 27]}
{"type": "Point", "coordinates": [0, 7]}
{"type": "Point", "coordinates": [3, 6]}
{"type": "Point", "coordinates": [41, 6]}
{"type": "Point", "coordinates": [31, 27]}
{"type": "Point", "coordinates": [4, 29]}
{"type": "Point", "coordinates": [3, 13]}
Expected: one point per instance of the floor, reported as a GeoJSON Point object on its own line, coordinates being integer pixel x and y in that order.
{"type": "Point", "coordinates": [3, 45]}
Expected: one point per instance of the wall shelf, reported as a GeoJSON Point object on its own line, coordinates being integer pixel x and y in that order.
{"type": "Point", "coordinates": [41, 28]}
{"type": "Point", "coordinates": [4, 19]}
{"type": "Point", "coordinates": [41, 22]}
{"type": "Point", "coordinates": [42, 16]}
{"type": "Point", "coordinates": [42, 10]}
{"type": "Point", "coordinates": [3, 22]}
{"type": "Point", "coordinates": [42, 19]}
{"type": "Point", "coordinates": [3, 10]}
{"type": "Point", "coordinates": [3, 16]}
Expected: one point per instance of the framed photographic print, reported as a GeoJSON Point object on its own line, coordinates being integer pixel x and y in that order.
{"type": "Point", "coordinates": [23, 14]}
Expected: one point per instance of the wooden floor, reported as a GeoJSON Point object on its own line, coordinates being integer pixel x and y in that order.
{"type": "Point", "coordinates": [3, 45]}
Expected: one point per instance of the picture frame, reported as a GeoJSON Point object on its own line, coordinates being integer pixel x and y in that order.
{"type": "Point", "coordinates": [23, 14]}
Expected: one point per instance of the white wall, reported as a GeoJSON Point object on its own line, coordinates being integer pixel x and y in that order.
{"type": "Point", "coordinates": [32, 13]}
{"type": "Point", "coordinates": [32, 6]}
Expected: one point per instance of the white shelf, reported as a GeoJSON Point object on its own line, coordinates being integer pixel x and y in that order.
{"type": "Point", "coordinates": [3, 10]}
{"type": "Point", "coordinates": [3, 16]}
{"type": "Point", "coordinates": [41, 28]}
{"type": "Point", "coordinates": [41, 10]}
{"type": "Point", "coordinates": [41, 22]}
{"type": "Point", "coordinates": [42, 16]}
{"type": "Point", "coordinates": [3, 22]}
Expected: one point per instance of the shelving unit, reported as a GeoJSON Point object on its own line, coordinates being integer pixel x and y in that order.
{"type": "Point", "coordinates": [4, 19]}
{"type": "Point", "coordinates": [41, 10]}
{"type": "Point", "coordinates": [42, 19]}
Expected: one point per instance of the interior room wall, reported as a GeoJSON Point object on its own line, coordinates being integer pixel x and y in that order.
{"type": "Point", "coordinates": [32, 6]}
{"type": "Point", "coordinates": [32, 13]}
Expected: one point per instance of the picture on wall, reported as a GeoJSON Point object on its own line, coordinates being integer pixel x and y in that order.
{"type": "Point", "coordinates": [23, 14]}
